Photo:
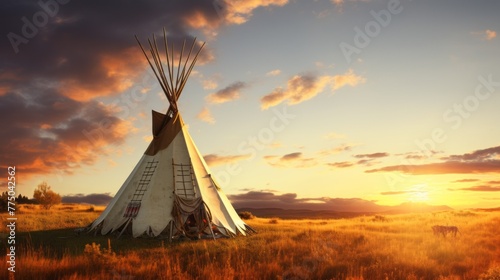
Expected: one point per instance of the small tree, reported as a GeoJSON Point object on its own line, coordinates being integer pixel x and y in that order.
{"type": "Point", "coordinates": [45, 196]}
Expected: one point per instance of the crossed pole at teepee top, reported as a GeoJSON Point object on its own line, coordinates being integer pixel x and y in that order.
{"type": "Point", "coordinates": [172, 85]}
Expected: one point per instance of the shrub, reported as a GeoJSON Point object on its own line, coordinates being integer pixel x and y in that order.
{"type": "Point", "coordinates": [97, 255]}
{"type": "Point", "coordinates": [273, 221]}
{"type": "Point", "coordinates": [246, 215]}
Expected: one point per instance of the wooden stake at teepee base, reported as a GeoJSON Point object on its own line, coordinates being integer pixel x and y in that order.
{"type": "Point", "coordinates": [171, 184]}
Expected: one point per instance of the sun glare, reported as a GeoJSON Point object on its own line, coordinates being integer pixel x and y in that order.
{"type": "Point", "coordinates": [418, 193]}
{"type": "Point", "coordinates": [420, 196]}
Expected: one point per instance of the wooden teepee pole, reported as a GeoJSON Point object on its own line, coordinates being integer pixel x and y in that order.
{"type": "Point", "coordinates": [151, 65]}
{"type": "Point", "coordinates": [160, 69]}
{"type": "Point", "coordinates": [173, 84]}
{"type": "Point", "coordinates": [190, 68]}
{"type": "Point", "coordinates": [183, 73]}
{"type": "Point", "coordinates": [179, 66]}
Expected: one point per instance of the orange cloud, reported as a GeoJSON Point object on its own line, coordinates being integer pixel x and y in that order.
{"type": "Point", "coordinates": [209, 84]}
{"type": "Point", "coordinates": [487, 34]}
{"type": "Point", "coordinates": [301, 88]}
{"type": "Point", "coordinates": [228, 12]}
{"type": "Point", "coordinates": [490, 34]}
{"type": "Point", "coordinates": [57, 134]}
{"type": "Point", "coordinates": [200, 20]}
{"type": "Point", "coordinates": [112, 75]}
{"type": "Point", "coordinates": [349, 78]}
{"type": "Point", "coordinates": [4, 89]}
{"type": "Point", "coordinates": [465, 180]}
{"type": "Point", "coordinates": [206, 116]}
{"type": "Point", "coordinates": [275, 72]}
{"type": "Point", "coordinates": [295, 160]}
{"type": "Point", "coordinates": [7, 80]}
{"type": "Point", "coordinates": [214, 159]}
{"type": "Point", "coordinates": [341, 164]}
{"type": "Point", "coordinates": [482, 188]}
{"type": "Point", "coordinates": [239, 12]}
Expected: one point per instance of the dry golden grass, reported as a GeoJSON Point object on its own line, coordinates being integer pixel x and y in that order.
{"type": "Point", "coordinates": [369, 247]}
{"type": "Point", "coordinates": [35, 218]}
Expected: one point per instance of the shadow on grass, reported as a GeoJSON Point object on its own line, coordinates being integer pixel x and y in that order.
{"type": "Point", "coordinates": [61, 242]}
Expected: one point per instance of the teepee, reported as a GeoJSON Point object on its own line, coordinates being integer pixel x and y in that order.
{"type": "Point", "coordinates": [170, 191]}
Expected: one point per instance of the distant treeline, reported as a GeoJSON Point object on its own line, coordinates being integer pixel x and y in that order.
{"type": "Point", "coordinates": [20, 199]}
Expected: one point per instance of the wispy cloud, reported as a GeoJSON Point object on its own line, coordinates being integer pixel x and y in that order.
{"type": "Point", "coordinates": [341, 164]}
{"type": "Point", "coordinates": [400, 192]}
{"type": "Point", "coordinates": [490, 34]}
{"type": "Point", "coordinates": [346, 164]}
{"type": "Point", "coordinates": [465, 180]}
{"type": "Point", "coordinates": [479, 161]}
{"type": "Point", "coordinates": [481, 188]}
{"type": "Point", "coordinates": [238, 12]}
{"type": "Point", "coordinates": [147, 138]}
{"type": "Point", "coordinates": [304, 87]}
{"type": "Point", "coordinates": [478, 155]}
{"type": "Point", "coordinates": [229, 93]}
{"type": "Point", "coordinates": [393, 192]}
{"type": "Point", "coordinates": [209, 84]}
{"type": "Point", "coordinates": [337, 149]}
{"type": "Point", "coordinates": [294, 160]}
{"type": "Point", "coordinates": [373, 155]}
{"type": "Point", "coordinates": [275, 72]}
{"type": "Point", "coordinates": [416, 156]}
{"type": "Point", "coordinates": [487, 34]}
{"type": "Point", "coordinates": [215, 159]}
{"type": "Point", "coordinates": [206, 116]}
{"type": "Point", "coordinates": [349, 78]}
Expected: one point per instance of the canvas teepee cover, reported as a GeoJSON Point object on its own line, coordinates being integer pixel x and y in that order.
{"type": "Point", "coordinates": [171, 190]}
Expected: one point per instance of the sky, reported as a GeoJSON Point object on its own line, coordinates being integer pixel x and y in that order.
{"type": "Point", "coordinates": [297, 104]}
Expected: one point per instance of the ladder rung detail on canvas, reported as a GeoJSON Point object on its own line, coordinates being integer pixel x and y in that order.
{"type": "Point", "coordinates": [184, 180]}
{"type": "Point", "coordinates": [135, 204]}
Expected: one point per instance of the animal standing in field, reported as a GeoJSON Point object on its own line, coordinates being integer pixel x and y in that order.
{"type": "Point", "coordinates": [444, 230]}
{"type": "Point", "coordinates": [453, 230]}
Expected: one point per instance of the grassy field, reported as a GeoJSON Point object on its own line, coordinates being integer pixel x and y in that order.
{"type": "Point", "coordinates": [367, 247]}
